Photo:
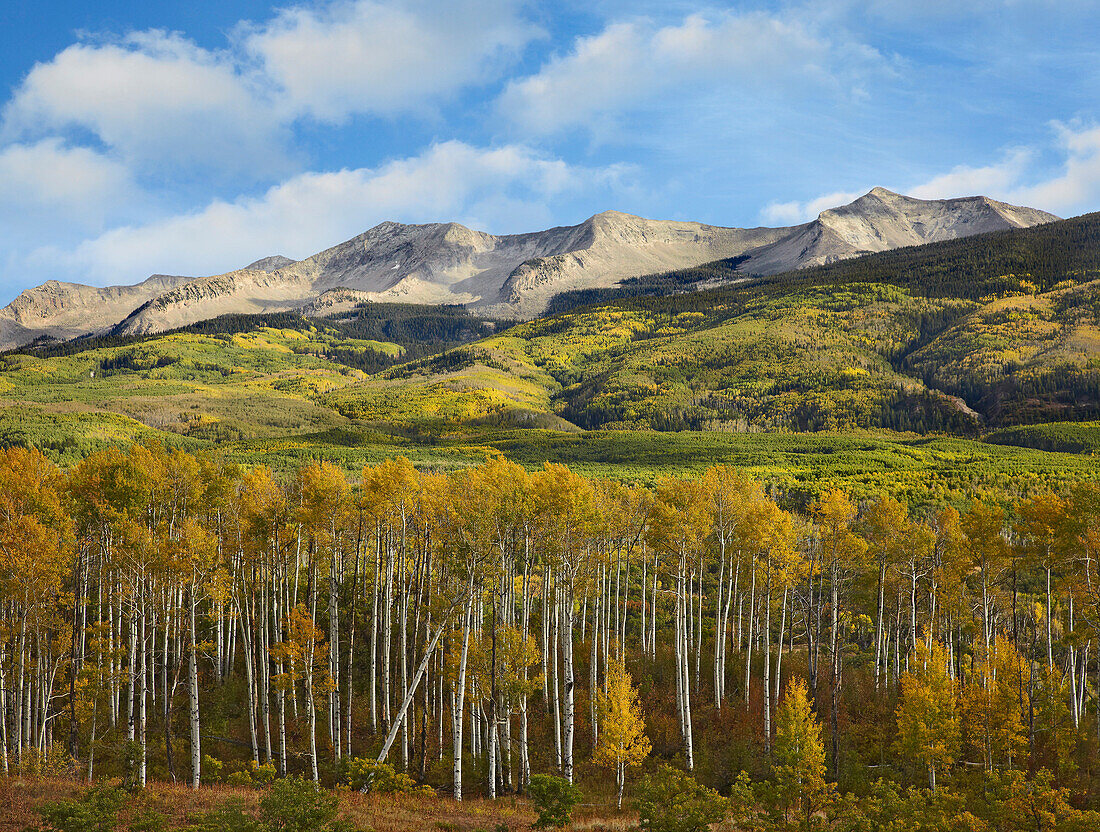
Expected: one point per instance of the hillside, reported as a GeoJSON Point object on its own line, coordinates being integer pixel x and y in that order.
{"type": "Point", "coordinates": [505, 276]}
{"type": "Point", "coordinates": [880, 342]}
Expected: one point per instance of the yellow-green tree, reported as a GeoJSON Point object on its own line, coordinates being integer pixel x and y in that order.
{"type": "Point", "coordinates": [993, 723]}
{"type": "Point", "coordinates": [622, 740]}
{"type": "Point", "coordinates": [842, 556]}
{"type": "Point", "coordinates": [1042, 527]}
{"type": "Point", "coordinates": [680, 524]}
{"type": "Point", "coordinates": [799, 757]}
{"type": "Point", "coordinates": [928, 723]}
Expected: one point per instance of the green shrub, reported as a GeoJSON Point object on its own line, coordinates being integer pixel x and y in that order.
{"type": "Point", "coordinates": [212, 769]}
{"type": "Point", "coordinates": [96, 810]}
{"type": "Point", "coordinates": [56, 762]}
{"type": "Point", "coordinates": [672, 801]}
{"type": "Point", "coordinates": [294, 805]}
{"type": "Point", "coordinates": [262, 775]}
{"type": "Point", "coordinates": [239, 778]}
{"type": "Point", "coordinates": [554, 798]}
{"type": "Point", "coordinates": [149, 820]}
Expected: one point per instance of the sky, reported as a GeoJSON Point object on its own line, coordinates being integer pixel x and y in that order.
{"type": "Point", "coordinates": [193, 136]}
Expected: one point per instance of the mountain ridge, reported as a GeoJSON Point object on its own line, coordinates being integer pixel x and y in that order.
{"type": "Point", "coordinates": [512, 275]}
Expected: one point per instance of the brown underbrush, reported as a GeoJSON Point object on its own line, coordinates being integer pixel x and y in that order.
{"type": "Point", "coordinates": [21, 796]}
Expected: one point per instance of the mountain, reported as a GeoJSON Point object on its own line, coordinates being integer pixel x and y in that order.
{"type": "Point", "coordinates": [67, 310]}
{"type": "Point", "coordinates": [512, 275]}
{"type": "Point", "coordinates": [270, 264]}
{"type": "Point", "coordinates": [882, 220]}
{"type": "Point", "coordinates": [958, 336]}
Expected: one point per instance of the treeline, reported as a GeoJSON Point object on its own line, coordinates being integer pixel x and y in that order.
{"type": "Point", "coordinates": [162, 612]}
{"type": "Point", "coordinates": [421, 330]}
{"type": "Point", "coordinates": [898, 408]}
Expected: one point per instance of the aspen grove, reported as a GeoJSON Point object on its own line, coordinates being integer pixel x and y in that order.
{"type": "Point", "coordinates": [474, 628]}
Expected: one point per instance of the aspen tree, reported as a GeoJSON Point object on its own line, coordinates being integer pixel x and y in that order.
{"type": "Point", "coordinates": [983, 525]}
{"type": "Point", "coordinates": [928, 724]}
{"type": "Point", "coordinates": [564, 505]}
{"type": "Point", "coordinates": [1042, 526]}
{"type": "Point", "coordinates": [679, 525]}
{"type": "Point", "coordinates": [733, 499]}
{"type": "Point", "coordinates": [991, 720]}
{"type": "Point", "coordinates": [842, 553]}
{"type": "Point", "coordinates": [882, 524]}
{"type": "Point", "coordinates": [324, 512]}
{"type": "Point", "coordinates": [623, 742]}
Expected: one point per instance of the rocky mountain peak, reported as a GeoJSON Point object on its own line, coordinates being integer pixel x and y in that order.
{"type": "Point", "coordinates": [270, 264]}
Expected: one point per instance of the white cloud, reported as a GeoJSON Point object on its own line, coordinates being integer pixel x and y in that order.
{"type": "Point", "coordinates": [379, 57]}
{"type": "Point", "coordinates": [1075, 189]}
{"type": "Point", "coordinates": [165, 104]}
{"type": "Point", "coordinates": [1071, 187]}
{"type": "Point", "coordinates": [50, 180]}
{"type": "Point", "coordinates": [157, 99]}
{"type": "Point", "coordinates": [628, 65]}
{"type": "Point", "coordinates": [308, 212]}
{"type": "Point", "coordinates": [793, 213]}
{"type": "Point", "coordinates": [998, 178]}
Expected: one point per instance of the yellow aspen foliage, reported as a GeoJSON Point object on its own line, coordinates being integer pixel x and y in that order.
{"type": "Point", "coordinates": [928, 723]}
{"type": "Point", "coordinates": [994, 725]}
{"type": "Point", "coordinates": [622, 741]}
{"type": "Point", "coordinates": [1056, 733]}
{"type": "Point", "coordinates": [799, 757]}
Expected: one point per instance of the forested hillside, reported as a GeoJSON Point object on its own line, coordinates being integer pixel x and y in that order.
{"type": "Point", "coordinates": [962, 337]}
{"type": "Point", "coordinates": [169, 616]}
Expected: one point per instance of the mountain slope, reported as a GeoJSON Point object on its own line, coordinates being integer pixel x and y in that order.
{"type": "Point", "coordinates": [507, 276]}
{"type": "Point", "coordinates": [66, 310]}
{"type": "Point", "coordinates": [961, 336]}
{"type": "Point", "coordinates": [882, 220]}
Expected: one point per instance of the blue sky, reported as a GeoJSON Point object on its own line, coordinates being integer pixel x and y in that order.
{"type": "Point", "coordinates": [195, 137]}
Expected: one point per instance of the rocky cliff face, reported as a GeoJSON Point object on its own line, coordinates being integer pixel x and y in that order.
{"type": "Point", "coordinates": [513, 275]}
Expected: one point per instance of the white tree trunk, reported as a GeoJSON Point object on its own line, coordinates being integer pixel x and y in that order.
{"type": "Point", "coordinates": [193, 691]}
{"type": "Point", "coordinates": [460, 701]}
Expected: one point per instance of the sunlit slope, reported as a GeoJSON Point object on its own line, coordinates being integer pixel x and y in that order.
{"type": "Point", "coordinates": [189, 386]}
{"type": "Point", "coordinates": [1023, 358]}
{"type": "Point", "coordinates": [270, 397]}
{"type": "Point", "coordinates": [802, 360]}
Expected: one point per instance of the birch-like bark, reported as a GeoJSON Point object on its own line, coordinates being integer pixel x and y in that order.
{"type": "Point", "coordinates": [400, 715]}
{"type": "Point", "coordinates": [460, 701]}
{"type": "Point", "coordinates": [748, 641]}
{"type": "Point", "coordinates": [193, 689]}
{"type": "Point", "coordinates": [570, 681]}
{"type": "Point", "coordinates": [768, 658]}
